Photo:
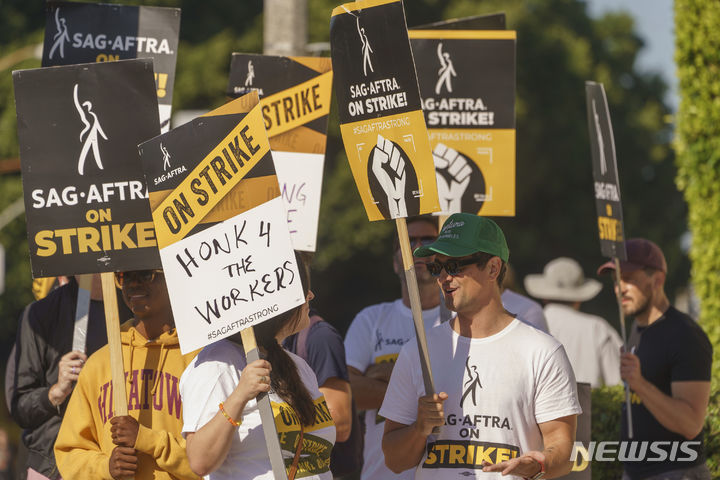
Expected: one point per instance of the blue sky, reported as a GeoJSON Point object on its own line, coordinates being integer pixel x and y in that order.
{"type": "Point", "coordinates": [654, 23]}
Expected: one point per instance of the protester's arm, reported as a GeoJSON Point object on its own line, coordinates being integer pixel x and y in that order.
{"type": "Point", "coordinates": [209, 445]}
{"type": "Point", "coordinates": [167, 449]}
{"type": "Point", "coordinates": [683, 412]}
{"type": "Point", "coordinates": [77, 449]}
{"type": "Point", "coordinates": [368, 392]}
{"type": "Point", "coordinates": [558, 440]}
{"type": "Point", "coordinates": [339, 401]}
{"type": "Point", "coordinates": [30, 405]}
{"type": "Point", "coordinates": [404, 445]}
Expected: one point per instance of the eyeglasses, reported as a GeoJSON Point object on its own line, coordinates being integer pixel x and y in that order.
{"type": "Point", "coordinates": [423, 241]}
{"type": "Point", "coordinates": [452, 267]}
{"type": "Point", "coordinates": [140, 276]}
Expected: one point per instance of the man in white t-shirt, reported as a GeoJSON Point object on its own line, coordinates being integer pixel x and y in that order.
{"type": "Point", "coordinates": [507, 401]}
{"type": "Point", "coordinates": [375, 338]}
{"type": "Point", "coordinates": [590, 342]}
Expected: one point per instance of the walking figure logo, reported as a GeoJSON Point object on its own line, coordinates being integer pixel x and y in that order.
{"type": "Point", "coordinates": [60, 37]}
{"type": "Point", "coordinates": [601, 143]}
{"type": "Point", "coordinates": [366, 48]}
{"type": "Point", "coordinates": [446, 72]}
{"type": "Point", "coordinates": [89, 134]}
{"type": "Point", "coordinates": [471, 384]}
{"type": "Point", "coordinates": [166, 157]}
{"type": "Point", "coordinates": [250, 74]}
{"type": "Point", "coordinates": [379, 340]}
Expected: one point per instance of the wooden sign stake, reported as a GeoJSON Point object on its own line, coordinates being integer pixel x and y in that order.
{"type": "Point", "coordinates": [112, 324]}
{"type": "Point", "coordinates": [415, 305]}
{"type": "Point", "coordinates": [618, 296]}
{"type": "Point", "coordinates": [266, 414]}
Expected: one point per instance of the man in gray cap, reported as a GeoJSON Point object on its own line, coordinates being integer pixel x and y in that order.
{"type": "Point", "coordinates": [667, 369]}
{"type": "Point", "coordinates": [506, 402]}
{"type": "Point", "coordinates": [590, 342]}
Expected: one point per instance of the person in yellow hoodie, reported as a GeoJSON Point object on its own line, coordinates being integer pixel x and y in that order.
{"type": "Point", "coordinates": [145, 444]}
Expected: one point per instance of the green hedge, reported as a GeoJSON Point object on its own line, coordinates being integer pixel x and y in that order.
{"type": "Point", "coordinates": [606, 417]}
{"type": "Point", "coordinates": [697, 144]}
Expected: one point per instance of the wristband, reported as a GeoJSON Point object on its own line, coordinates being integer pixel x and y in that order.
{"type": "Point", "coordinates": [232, 422]}
{"type": "Point", "coordinates": [539, 475]}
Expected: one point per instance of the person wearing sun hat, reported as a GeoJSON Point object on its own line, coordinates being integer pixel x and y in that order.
{"type": "Point", "coordinates": [507, 400]}
{"type": "Point", "coordinates": [590, 342]}
{"type": "Point", "coordinates": [668, 368]}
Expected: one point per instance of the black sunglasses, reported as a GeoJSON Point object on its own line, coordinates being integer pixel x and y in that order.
{"type": "Point", "coordinates": [452, 267]}
{"type": "Point", "coordinates": [140, 276]}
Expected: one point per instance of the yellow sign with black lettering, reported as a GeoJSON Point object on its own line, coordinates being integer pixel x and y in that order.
{"type": "Point", "coordinates": [211, 180]}
{"type": "Point", "coordinates": [297, 105]}
{"type": "Point", "coordinates": [381, 117]}
{"type": "Point", "coordinates": [467, 83]}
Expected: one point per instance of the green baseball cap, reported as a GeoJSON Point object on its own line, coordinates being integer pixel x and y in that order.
{"type": "Point", "coordinates": [464, 234]}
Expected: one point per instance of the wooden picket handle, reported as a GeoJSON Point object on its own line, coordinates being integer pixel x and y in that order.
{"type": "Point", "coordinates": [618, 296]}
{"type": "Point", "coordinates": [415, 305]}
{"type": "Point", "coordinates": [112, 324]}
{"type": "Point", "coordinates": [266, 414]}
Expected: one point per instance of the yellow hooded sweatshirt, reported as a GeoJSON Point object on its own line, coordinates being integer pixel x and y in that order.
{"type": "Point", "coordinates": [152, 372]}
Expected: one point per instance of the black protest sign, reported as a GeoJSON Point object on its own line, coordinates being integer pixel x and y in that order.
{"type": "Point", "coordinates": [467, 83]}
{"type": "Point", "coordinates": [381, 120]}
{"type": "Point", "coordinates": [93, 32]}
{"type": "Point", "coordinates": [605, 173]}
{"type": "Point", "coordinates": [85, 194]}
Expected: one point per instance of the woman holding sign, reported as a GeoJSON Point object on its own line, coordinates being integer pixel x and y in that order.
{"type": "Point", "coordinates": [221, 418]}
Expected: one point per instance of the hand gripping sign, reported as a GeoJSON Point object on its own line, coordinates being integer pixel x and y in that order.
{"type": "Point", "coordinates": [85, 194]}
{"type": "Point", "coordinates": [93, 32]}
{"type": "Point", "coordinates": [607, 195]}
{"type": "Point", "coordinates": [295, 101]}
{"type": "Point", "coordinates": [467, 83]}
{"type": "Point", "coordinates": [221, 228]}
{"type": "Point", "coordinates": [383, 127]}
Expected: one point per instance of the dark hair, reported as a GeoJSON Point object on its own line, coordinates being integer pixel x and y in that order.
{"type": "Point", "coordinates": [430, 219]}
{"type": "Point", "coordinates": [284, 378]}
{"type": "Point", "coordinates": [484, 258]}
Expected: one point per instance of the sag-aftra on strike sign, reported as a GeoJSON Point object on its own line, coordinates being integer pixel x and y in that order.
{"type": "Point", "coordinates": [85, 196]}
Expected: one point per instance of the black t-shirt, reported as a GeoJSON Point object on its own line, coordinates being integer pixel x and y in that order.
{"type": "Point", "coordinates": [672, 349]}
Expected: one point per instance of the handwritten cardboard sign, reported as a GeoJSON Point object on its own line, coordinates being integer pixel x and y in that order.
{"type": "Point", "coordinates": [605, 174]}
{"type": "Point", "coordinates": [220, 222]}
{"type": "Point", "coordinates": [85, 194]}
{"type": "Point", "coordinates": [295, 95]}
{"type": "Point", "coordinates": [467, 85]}
{"type": "Point", "coordinates": [94, 32]}
{"type": "Point", "coordinates": [381, 119]}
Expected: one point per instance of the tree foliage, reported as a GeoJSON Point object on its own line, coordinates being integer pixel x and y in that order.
{"type": "Point", "coordinates": [559, 47]}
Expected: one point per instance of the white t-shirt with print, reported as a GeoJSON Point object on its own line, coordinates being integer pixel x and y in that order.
{"type": "Point", "coordinates": [376, 335]}
{"type": "Point", "coordinates": [499, 389]}
{"type": "Point", "coordinates": [212, 377]}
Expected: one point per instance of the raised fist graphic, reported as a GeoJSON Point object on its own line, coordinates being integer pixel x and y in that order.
{"type": "Point", "coordinates": [452, 171]}
{"type": "Point", "coordinates": [388, 166]}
